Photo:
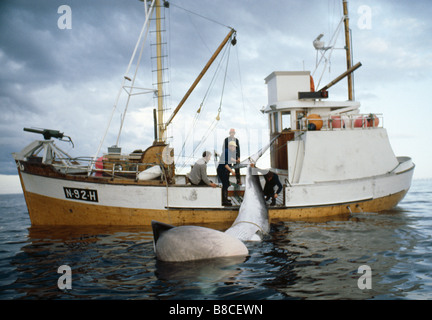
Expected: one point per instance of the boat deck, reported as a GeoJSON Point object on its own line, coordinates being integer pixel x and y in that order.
{"type": "Point", "coordinates": [237, 200]}
{"type": "Point", "coordinates": [235, 191]}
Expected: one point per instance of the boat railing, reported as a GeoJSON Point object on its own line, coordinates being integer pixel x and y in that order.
{"type": "Point", "coordinates": [338, 121]}
{"type": "Point", "coordinates": [121, 168]}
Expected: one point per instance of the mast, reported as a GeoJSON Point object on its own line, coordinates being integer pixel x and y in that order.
{"type": "Point", "coordinates": [348, 48]}
{"type": "Point", "coordinates": [161, 129]}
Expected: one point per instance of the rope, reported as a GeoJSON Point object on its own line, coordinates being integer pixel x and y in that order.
{"type": "Point", "coordinates": [198, 113]}
{"type": "Point", "coordinates": [243, 99]}
{"type": "Point", "coordinates": [199, 15]}
{"type": "Point", "coordinates": [216, 121]}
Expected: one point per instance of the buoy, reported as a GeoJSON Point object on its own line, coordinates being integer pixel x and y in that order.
{"type": "Point", "coordinates": [358, 123]}
{"type": "Point", "coordinates": [314, 122]}
{"type": "Point", "coordinates": [99, 166]}
{"type": "Point", "coordinates": [336, 122]}
{"type": "Point", "coordinates": [371, 121]}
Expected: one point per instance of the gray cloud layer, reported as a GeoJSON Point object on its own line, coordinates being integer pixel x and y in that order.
{"type": "Point", "coordinates": [68, 79]}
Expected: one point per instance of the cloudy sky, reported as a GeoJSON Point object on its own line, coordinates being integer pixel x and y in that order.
{"type": "Point", "coordinates": [68, 78]}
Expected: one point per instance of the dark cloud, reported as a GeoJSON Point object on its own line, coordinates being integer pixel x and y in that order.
{"type": "Point", "coordinates": [68, 79]}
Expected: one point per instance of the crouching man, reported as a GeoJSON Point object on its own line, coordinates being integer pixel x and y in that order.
{"type": "Point", "coordinates": [198, 175]}
{"type": "Point", "coordinates": [272, 181]}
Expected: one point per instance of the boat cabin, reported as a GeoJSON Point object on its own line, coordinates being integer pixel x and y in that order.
{"type": "Point", "coordinates": [321, 140]}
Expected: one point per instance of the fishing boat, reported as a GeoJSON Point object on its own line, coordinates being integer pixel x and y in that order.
{"type": "Point", "coordinates": [332, 159]}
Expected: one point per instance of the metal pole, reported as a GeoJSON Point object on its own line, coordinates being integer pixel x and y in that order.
{"type": "Point", "coordinates": [348, 49]}
{"type": "Point", "coordinates": [161, 131]}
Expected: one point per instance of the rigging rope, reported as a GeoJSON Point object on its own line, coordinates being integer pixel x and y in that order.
{"type": "Point", "coordinates": [243, 102]}
{"type": "Point", "coordinates": [195, 120]}
{"type": "Point", "coordinates": [199, 15]}
{"type": "Point", "coordinates": [213, 125]}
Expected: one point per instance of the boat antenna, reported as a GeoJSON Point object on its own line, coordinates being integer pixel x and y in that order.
{"type": "Point", "coordinates": [319, 46]}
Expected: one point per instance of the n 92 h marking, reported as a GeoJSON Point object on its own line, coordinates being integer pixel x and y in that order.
{"type": "Point", "coordinates": [81, 194]}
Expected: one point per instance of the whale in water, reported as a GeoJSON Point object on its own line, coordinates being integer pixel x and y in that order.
{"type": "Point", "coordinates": [252, 222]}
{"type": "Point", "coordinates": [186, 243]}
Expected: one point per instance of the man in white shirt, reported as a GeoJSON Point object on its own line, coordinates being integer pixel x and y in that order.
{"type": "Point", "coordinates": [198, 175]}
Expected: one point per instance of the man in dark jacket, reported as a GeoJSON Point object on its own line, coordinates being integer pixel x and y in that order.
{"type": "Point", "coordinates": [225, 168]}
{"type": "Point", "coordinates": [227, 140]}
{"type": "Point", "coordinates": [272, 180]}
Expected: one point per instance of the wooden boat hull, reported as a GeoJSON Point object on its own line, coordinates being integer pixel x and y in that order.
{"type": "Point", "coordinates": [50, 211]}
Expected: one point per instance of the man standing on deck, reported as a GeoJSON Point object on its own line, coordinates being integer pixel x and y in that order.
{"type": "Point", "coordinates": [227, 140]}
{"type": "Point", "coordinates": [225, 168]}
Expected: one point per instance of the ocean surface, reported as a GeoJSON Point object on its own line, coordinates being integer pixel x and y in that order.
{"type": "Point", "coordinates": [366, 256]}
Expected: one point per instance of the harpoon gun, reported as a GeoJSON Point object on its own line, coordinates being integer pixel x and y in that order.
{"type": "Point", "coordinates": [48, 134]}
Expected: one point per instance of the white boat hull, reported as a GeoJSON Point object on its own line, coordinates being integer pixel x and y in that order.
{"type": "Point", "coordinates": [55, 201]}
{"type": "Point", "coordinates": [345, 191]}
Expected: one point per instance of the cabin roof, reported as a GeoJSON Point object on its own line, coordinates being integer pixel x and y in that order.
{"type": "Point", "coordinates": [310, 104]}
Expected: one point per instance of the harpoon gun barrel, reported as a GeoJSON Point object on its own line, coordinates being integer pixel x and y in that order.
{"type": "Point", "coordinates": [47, 133]}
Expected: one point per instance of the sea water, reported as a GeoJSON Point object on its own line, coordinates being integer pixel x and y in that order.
{"type": "Point", "coordinates": [368, 255]}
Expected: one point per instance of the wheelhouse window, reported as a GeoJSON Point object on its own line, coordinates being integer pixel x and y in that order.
{"type": "Point", "coordinates": [286, 120]}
